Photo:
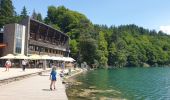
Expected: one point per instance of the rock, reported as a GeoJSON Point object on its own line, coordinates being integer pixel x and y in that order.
{"type": "Point", "coordinates": [92, 87]}
{"type": "Point", "coordinates": [146, 65]}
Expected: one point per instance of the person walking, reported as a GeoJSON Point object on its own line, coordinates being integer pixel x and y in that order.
{"type": "Point", "coordinates": [63, 66]}
{"type": "Point", "coordinates": [24, 64]}
{"type": "Point", "coordinates": [53, 77]}
{"type": "Point", "coordinates": [8, 64]}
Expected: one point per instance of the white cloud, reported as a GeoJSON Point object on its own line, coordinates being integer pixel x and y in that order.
{"type": "Point", "coordinates": [165, 29]}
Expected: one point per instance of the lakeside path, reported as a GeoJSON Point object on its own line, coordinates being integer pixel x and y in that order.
{"type": "Point", "coordinates": [33, 88]}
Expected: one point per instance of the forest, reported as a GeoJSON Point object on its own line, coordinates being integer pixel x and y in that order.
{"type": "Point", "coordinates": [100, 45]}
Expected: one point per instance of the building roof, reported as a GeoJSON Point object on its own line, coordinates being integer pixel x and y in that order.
{"type": "Point", "coordinates": [48, 26]}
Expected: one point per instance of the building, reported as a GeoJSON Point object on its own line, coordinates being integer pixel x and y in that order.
{"type": "Point", "coordinates": [14, 38]}
{"type": "Point", "coordinates": [2, 45]}
{"type": "Point", "coordinates": [34, 37]}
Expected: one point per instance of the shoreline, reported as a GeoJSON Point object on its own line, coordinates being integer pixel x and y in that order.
{"type": "Point", "coordinates": [79, 71]}
{"type": "Point", "coordinates": [69, 78]}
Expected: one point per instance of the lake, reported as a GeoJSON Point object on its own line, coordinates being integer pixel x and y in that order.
{"type": "Point", "coordinates": [125, 83]}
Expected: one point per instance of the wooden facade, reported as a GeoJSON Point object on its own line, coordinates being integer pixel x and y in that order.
{"type": "Point", "coordinates": [42, 39]}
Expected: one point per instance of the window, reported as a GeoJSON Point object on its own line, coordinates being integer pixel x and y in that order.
{"type": "Point", "coordinates": [50, 50]}
{"type": "Point", "coordinates": [42, 49]}
{"type": "Point", "coordinates": [36, 48]}
{"type": "Point", "coordinates": [18, 39]}
{"type": "Point", "coordinates": [31, 47]}
{"type": "Point", "coordinates": [46, 49]}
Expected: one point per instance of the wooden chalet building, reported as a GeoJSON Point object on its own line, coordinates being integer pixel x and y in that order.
{"type": "Point", "coordinates": [34, 37]}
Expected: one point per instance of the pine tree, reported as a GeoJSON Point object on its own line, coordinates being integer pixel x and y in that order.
{"type": "Point", "coordinates": [39, 17]}
{"type": "Point", "coordinates": [34, 15]}
{"type": "Point", "coordinates": [24, 13]}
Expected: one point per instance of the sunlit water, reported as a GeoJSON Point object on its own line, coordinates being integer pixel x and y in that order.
{"type": "Point", "coordinates": [126, 83]}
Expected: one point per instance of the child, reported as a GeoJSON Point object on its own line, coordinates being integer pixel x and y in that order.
{"type": "Point", "coordinates": [61, 74]}
{"type": "Point", "coordinates": [53, 77]}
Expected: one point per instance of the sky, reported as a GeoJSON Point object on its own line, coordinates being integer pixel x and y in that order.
{"type": "Point", "coordinates": [150, 14]}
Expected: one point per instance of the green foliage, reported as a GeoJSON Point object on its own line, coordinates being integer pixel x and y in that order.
{"type": "Point", "coordinates": [6, 12]}
{"type": "Point", "coordinates": [88, 47]}
{"type": "Point", "coordinates": [34, 15]}
{"type": "Point", "coordinates": [125, 45]}
{"type": "Point", "coordinates": [64, 18]}
{"type": "Point", "coordinates": [55, 26]}
{"type": "Point", "coordinates": [136, 46]}
{"type": "Point", "coordinates": [74, 48]}
{"type": "Point", "coordinates": [102, 49]}
{"type": "Point", "coordinates": [37, 16]}
{"type": "Point", "coordinates": [6, 8]}
{"type": "Point", "coordinates": [120, 59]}
{"type": "Point", "coordinates": [24, 13]}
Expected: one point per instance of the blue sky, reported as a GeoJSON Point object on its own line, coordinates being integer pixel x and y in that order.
{"type": "Point", "coordinates": [151, 14]}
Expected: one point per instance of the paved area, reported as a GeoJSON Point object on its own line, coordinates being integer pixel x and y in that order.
{"type": "Point", "coordinates": [13, 72]}
{"type": "Point", "coordinates": [33, 88]}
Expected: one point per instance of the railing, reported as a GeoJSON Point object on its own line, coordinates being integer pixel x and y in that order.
{"type": "Point", "coordinates": [44, 53]}
{"type": "Point", "coordinates": [48, 45]}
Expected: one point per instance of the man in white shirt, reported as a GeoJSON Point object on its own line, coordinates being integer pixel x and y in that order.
{"type": "Point", "coordinates": [24, 64]}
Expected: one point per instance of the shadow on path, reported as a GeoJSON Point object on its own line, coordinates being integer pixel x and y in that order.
{"type": "Point", "coordinates": [46, 89]}
{"type": "Point", "coordinates": [49, 90]}
{"type": "Point", "coordinates": [44, 75]}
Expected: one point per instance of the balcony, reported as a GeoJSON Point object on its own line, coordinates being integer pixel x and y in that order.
{"type": "Point", "coordinates": [44, 53]}
{"type": "Point", "coordinates": [47, 45]}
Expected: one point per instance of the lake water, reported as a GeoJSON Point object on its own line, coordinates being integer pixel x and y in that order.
{"type": "Point", "coordinates": [125, 83]}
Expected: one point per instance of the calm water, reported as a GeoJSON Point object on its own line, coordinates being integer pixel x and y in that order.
{"type": "Point", "coordinates": [125, 83]}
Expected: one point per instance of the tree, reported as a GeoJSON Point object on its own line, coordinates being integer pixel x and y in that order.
{"type": "Point", "coordinates": [6, 8]}
{"type": "Point", "coordinates": [112, 51]}
{"type": "Point", "coordinates": [102, 50]}
{"type": "Point", "coordinates": [6, 12]}
{"type": "Point", "coordinates": [66, 19]}
{"type": "Point", "coordinates": [24, 13]}
{"type": "Point", "coordinates": [87, 48]}
{"type": "Point", "coordinates": [34, 15]}
{"type": "Point", "coordinates": [74, 48]}
{"type": "Point", "coordinates": [39, 17]}
{"type": "Point", "coordinates": [120, 59]}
